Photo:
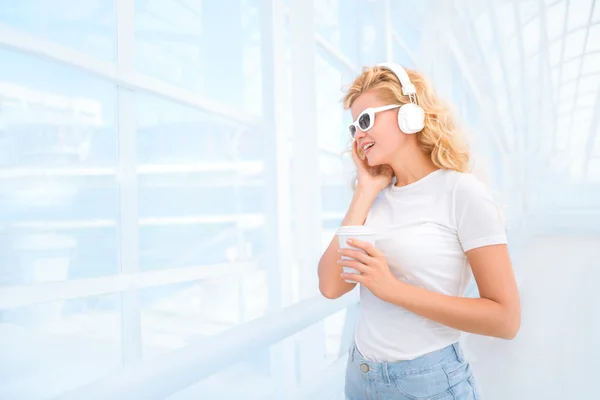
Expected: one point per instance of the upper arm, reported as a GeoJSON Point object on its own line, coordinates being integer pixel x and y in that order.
{"type": "Point", "coordinates": [493, 272]}
{"type": "Point", "coordinates": [482, 235]}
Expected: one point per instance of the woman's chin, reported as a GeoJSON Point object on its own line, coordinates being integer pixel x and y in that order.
{"type": "Point", "coordinates": [373, 161]}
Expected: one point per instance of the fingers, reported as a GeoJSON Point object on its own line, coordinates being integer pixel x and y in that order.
{"type": "Point", "coordinates": [354, 264]}
{"type": "Point", "coordinates": [353, 277]}
{"type": "Point", "coordinates": [368, 247]}
{"type": "Point", "coordinates": [355, 254]}
{"type": "Point", "coordinates": [358, 160]}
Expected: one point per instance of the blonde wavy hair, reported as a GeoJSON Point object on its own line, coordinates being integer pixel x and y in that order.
{"type": "Point", "coordinates": [441, 139]}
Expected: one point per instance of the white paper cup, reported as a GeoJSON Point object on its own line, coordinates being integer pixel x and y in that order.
{"type": "Point", "coordinates": [359, 232]}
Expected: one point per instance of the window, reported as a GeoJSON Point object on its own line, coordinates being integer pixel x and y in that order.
{"type": "Point", "coordinates": [88, 26]}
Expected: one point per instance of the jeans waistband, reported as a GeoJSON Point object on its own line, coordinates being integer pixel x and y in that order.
{"type": "Point", "coordinates": [418, 365]}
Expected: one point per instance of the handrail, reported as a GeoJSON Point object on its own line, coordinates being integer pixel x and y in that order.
{"type": "Point", "coordinates": [26, 295]}
{"type": "Point", "coordinates": [163, 376]}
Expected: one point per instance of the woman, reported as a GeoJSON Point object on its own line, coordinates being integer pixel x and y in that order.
{"type": "Point", "coordinates": [437, 228]}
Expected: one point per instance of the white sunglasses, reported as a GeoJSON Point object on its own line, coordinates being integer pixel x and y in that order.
{"type": "Point", "coordinates": [366, 119]}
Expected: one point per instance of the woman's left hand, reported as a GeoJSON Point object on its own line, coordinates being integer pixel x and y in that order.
{"type": "Point", "coordinates": [375, 272]}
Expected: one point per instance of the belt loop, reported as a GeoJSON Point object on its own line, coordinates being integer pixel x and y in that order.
{"type": "Point", "coordinates": [386, 375]}
{"type": "Point", "coordinates": [459, 352]}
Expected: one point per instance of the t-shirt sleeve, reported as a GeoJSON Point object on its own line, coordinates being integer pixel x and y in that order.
{"type": "Point", "coordinates": [478, 217]}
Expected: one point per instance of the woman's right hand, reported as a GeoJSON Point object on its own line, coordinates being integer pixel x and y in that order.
{"type": "Point", "coordinates": [370, 179]}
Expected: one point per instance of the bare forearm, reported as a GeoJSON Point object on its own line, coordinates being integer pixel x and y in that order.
{"type": "Point", "coordinates": [359, 208]}
{"type": "Point", "coordinates": [475, 315]}
{"type": "Point", "coordinates": [331, 284]}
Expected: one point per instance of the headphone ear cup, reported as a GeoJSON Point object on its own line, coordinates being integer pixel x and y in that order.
{"type": "Point", "coordinates": [411, 118]}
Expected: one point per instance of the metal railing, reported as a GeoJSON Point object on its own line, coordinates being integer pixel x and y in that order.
{"type": "Point", "coordinates": [163, 376]}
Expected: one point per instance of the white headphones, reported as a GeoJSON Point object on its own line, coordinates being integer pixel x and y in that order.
{"type": "Point", "coordinates": [411, 117]}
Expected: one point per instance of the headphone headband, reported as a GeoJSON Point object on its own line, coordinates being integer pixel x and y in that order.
{"type": "Point", "coordinates": [407, 87]}
{"type": "Point", "coordinates": [411, 117]}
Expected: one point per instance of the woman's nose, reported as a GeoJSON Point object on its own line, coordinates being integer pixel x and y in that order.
{"type": "Point", "coordinates": [359, 134]}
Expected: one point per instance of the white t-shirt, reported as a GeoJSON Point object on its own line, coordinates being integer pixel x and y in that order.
{"type": "Point", "coordinates": [424, 230]}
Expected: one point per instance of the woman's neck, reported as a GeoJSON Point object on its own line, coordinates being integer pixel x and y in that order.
{"type": "Point", "coordinates": [413, 166]}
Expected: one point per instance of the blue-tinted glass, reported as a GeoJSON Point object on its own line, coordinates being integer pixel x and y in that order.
{"type": "Point", "coordinates": [51, 348]}
{"type": "Point", "coordinates": [85, 25]}
{"type": "Point", "coordinates": [212, 48]}
{"type": "Point", "coordinates": [58, 193]}
{"type": "Point", "coordinates": [201, 181]}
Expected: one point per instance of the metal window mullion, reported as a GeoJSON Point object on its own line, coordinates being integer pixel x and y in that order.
{"type": "Point", "coordinates": [545, 68]}
{"type": "Point", "coordinates": [524, 95]}
{"type": "Point", "coordinates": [306, 175]}
{"type": "Point", "coordinates": [278, 257]}
{"type": "Point", "coordinates": [592, 136]}
{"type": "Point", "coordinates": [575, 98]}
{"type": "Point", "coordinates": [558, 83]}
{"type": "Point", "coordinates": [128, 186]}
{"type": "Point", "coordinates": [389, 35]}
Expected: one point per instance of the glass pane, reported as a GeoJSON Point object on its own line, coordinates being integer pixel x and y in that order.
{"type": "Point", "coordinates": [570, 69]}
{"type": "Point", "coordinates": [534, 65]}
{"type": "Point", "coordinates": [182, 43]}
{"type": "Point", "coordinates": [174, 316]}
{"type": "Point", "coordinates": [48, 349]}
{"type": "Point", "coordinates": [591, 64]}
{"type": "Point", "coordinates": [531, 36]}
{"type": "Point", "coordinates": [85, 25]}
{"type": "Point", "coordinates": [331, 117]}
{"type": "Point", "coordinates": [568, 90]}
{"type": "Point", "coordinates": [527, 10]}
{"type": "Point", "coordinates": [565, 106]}
{"type": "Point", "coordinates": [593, 43]}
{"type": "Point", "coordinates": [334, 20]}
{"type": "Point", "coordinates": [574, 44]}
{"type": "Point", "coordinates": [327, 18]}
{"type": "Point", "coordinates": [505, 17]}
{"type": "Point", "coordinates": [400, 56]}
{"type": "Point", "coordinates": [333, 136]}
{"type": "Point", "coordinates": [596, 15]}
{"type": "Point", "coordinates": [555, 20]}
{"type": "Point", "coordinates": [589, 82]}
{"type": "Point", "coordinates": [58, 152]}
{"type": "Point", "coordinates": [555, 52]}
{"type": "Point", "coordinates": [584, 115]}
{"type": "Point", "coordinates": [579, 13]}
{"type": "Point", "coordinates": [250, 379]}
{"type": "Point", "coordinates": [372, 43]}
{"type": "Point", "coordinates": [555, 78]}
{"type": "Point", "coordinates": [483, 27]}
{"type": "Point", "coordinates": [409, 29]}
{"type": "Point", "coordinates": [586, 100]}
{"type": "Point", "coordinates": [334, 325]}
{"type": "Point", "coordinates": [200, 182]}
{"type": "Point", "coordinates": [594, 169]}
{"type": "Point", "coordinates": [597, 144]}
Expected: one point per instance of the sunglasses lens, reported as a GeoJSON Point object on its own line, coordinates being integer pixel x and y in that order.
{"type": "Point", "coordinates": [352, 129]}
{"type": "Point", "coordinates": [364, 121]}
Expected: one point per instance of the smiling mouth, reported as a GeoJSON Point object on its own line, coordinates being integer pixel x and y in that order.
{"type": "Point", "coordinates": [367, 148]}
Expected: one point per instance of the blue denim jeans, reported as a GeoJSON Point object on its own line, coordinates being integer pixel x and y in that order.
{"type": "Point", "coordinates": [442, 374]}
